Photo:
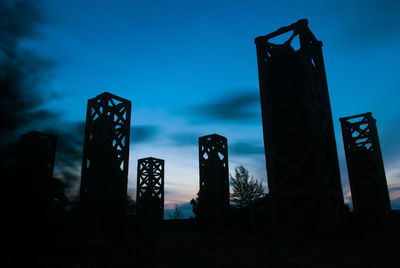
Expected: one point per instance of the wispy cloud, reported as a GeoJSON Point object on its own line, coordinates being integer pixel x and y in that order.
{"type": "Point", "coordinates": [394, 192]}
{"type": "Point", "coordinates": [246, 148]}
{"type": "Point", "coordinates": [369, 22]}
{"type": "Point", "coordinates": [176, 194]}
{"type": "Point", "coordinates": [143, 133]}
{"type": "Point", "coordinates": [184, 139]}
{"type": "Point", "coordinates": [231, 106]}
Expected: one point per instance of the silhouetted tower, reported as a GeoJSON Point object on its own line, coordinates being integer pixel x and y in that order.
{"type": "Point", "coordinates": [367, 177]}
{"type": "Point", "coordinates": [104, 181]}
{"type": "Point", "coordinates": [37, 153]}
{"type": "Point", "coordinates": [300, 147]}
{"type": "Point", "coordinates": [150, 189]}
{"type": "Point", "coordinates": [214, 178]}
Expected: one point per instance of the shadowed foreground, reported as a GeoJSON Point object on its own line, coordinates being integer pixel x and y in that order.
{"type": "Point", "coordinates": [181, 243]}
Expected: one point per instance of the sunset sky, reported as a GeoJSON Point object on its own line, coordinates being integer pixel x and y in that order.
{"type": "Point", "coordinates": [190, 69]}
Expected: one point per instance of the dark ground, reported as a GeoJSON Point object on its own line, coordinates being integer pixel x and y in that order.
{"type": "Point", "coordinates": [181, 243]}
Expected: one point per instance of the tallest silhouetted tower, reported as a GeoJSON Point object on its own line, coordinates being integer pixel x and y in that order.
{"type": "Point", "coordinates": [104, 182]}
{"type": "Point", "coordinates": [300, 146]}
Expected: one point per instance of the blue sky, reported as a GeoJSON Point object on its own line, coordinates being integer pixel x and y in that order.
{"type": "Point", "coordinates": [189, 68]}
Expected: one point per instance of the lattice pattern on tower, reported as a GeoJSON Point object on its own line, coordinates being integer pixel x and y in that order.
{"type": "Point", "coordinates": [214, 178]}
{"type": "Point", "coordinates": [105, 159]}
{"type": "Point", "coordinates": [300, 147]}
{"type": "Point", "coordinates": [150, 189]}
{"type": "Point", "coordinates": [367, 177]}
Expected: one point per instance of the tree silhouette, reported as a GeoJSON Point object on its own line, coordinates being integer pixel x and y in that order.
{"type": "Point", "coordinates": [177, 214]}
{"type": "Point", "coordinates": [195, 205]}
{"type": "Point", "coordinates": [246, 189]}
{"type": "Point", "coordinates": [131, 205]}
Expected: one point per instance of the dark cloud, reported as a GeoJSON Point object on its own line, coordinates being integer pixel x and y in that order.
{"type": "Point", "coordinates": [184, 139]}
{"type": "Point", "coordinates": [23, 73]}
{"type": "Point", "coordinates": [71, 179]}
{"type": "Point", "coordinates": [69, 152]}
{"type": "Point", "coordinates": [70, 142]}
{"type": "Point", "coordinates": [230, 106]}
{"type": "Point", "coordinates": [70, 146]}
{"type": "Point", "coordinates": [18, 20]}
{"type": "Point", "coordinates": [246, 148]}
{"type": "Point", "coordinates": [394, 188]}
{"type": "Point", "coordinates": [389, 139]}
{"type": "Point", "coordinates": [143, 133]}
{"type": "Point", "coordinates": [24, 77]}
{"type": "Point", "coordinates": [371, 22]}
